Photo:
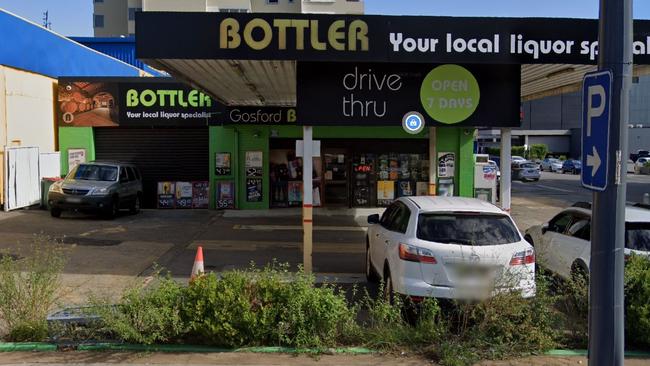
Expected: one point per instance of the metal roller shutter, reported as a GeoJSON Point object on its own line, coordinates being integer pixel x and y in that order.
{"type": "Point", "coordinates": [163, 154]}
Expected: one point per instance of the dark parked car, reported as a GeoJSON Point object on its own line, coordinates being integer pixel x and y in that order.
{"type": "Point", "coordinates": [572, 166]}
{"type": "Point", "coordinates": [101, 187]}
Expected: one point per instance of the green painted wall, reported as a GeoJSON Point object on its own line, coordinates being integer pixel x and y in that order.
{"type": "Point", "coordinates": [75, 137]}
{"type": "Point", "coordinates": [461, 142]}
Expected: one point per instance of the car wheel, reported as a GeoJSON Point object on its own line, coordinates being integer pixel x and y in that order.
{"type": "Point", "coordinates": [573, 171]}
{"type": "Point", "coordinates": [536, 180]}
{"type": "Point", "coordinates": [135, 208]}
{"type": "Point", "coordinates": [371, 275]}
{"type": "Point", "coordinates": [579, 272]}
{"type": "Point", "coordinates": [55, 212]}
{"type": "Point", "coordinates": [113, 209]}
{"type": "Point", "coordinates": [389, 293]}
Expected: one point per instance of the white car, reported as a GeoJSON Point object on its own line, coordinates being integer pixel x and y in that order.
{"type": "Point", "coordinates": [640, 163]}
{"type": "Point", "coordinates": [448, 247]}
{"type": "Point", "coordinates": [518, 159]}
{"type": "Point", "coordinates": [495, 166]}
{"type": "Point", "coordinates": [563, 245]}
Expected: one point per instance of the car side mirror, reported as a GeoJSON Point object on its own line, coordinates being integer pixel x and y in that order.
{"type": "Point", "coordinates": [544, 228]}
{"type": "Point", "coordinates": [373, 219]}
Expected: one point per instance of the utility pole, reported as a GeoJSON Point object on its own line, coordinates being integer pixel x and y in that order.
{"type": "Point", "coordinates": [606, 299]}
{"type": "Point", "coordinates": [46, 19]}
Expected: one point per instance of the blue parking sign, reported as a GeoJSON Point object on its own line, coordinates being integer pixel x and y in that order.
{"type": "Point", "coordinates": [596, 108]}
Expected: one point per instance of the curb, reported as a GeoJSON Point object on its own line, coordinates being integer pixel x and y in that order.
{"type": "Point", "coordinates": [27, 347]}
{"type": "Point", "coordinates": [178, 348]}
{"type": "Point", "coordinates": [583, 353]}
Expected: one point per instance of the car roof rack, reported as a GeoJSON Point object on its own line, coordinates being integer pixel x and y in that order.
{"type": "Point", "coordinates": [582, 204]}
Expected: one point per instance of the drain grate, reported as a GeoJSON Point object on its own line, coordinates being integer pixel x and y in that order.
{"type": "Point", "coordinates": [90, 241]}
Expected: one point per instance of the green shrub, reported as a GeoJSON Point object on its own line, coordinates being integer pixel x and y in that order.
{"type": "Point", "coordinates": [29, 288]}
{"type": "Point", "coordinates": [145, 316]}
{"type": "Point", "coordinates": [538, 151]}
{"type": "Point", "coordinates": [517, 150]}
{"type": "Point", "coordinates": [573, 304]}
{"type": "Point", "coordinates": [637, 301]}
{"type": "Point", "coordinates": [494, 151]}
{"type": "Point", "coordinates": [265, 308]}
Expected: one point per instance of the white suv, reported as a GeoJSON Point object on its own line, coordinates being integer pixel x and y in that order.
{"type": "Point", "coordinates": [563, 245]}
{"type": "Point", "coordinates": [448, 247]}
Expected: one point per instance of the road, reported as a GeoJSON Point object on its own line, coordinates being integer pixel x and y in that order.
{"type": "Point", "coordinates": [566, 188]}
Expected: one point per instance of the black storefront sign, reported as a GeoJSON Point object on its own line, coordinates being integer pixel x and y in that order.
{"type": "Point", "coordinates": [134, 102]}
{"type": "Point", "coordinates": [376, 94]}
{"type": "Point", "coordinates": [268, 116]}
{"type": "Point", "coordinates": [374, 38]}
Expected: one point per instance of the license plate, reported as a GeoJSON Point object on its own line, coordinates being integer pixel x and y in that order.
{"type": "Point", "coordinates": [74, 200]}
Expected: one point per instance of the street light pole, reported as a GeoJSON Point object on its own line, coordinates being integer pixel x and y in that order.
{"type": "Point", "coordinates": [606, 298]}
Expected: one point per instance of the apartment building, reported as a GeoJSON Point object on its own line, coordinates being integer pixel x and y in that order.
{"type": "Point", "coordinates": [114, 18]}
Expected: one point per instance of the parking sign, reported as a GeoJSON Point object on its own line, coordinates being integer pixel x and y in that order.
{"type": "Point", "coordinates": [596, 107]}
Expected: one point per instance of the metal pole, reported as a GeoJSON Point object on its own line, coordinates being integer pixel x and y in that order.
{"type": "Point", "coordinates": [307, 198]}
{"type": "Point", "coordinates": [433, 161]}
{"type": "Point", "coordinates": [506, 168]}
{"type": "Point", "coordinates": [606, 327]}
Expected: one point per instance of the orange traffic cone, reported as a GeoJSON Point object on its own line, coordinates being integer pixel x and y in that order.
{"type": "Point", "coordinates": [197, 268]}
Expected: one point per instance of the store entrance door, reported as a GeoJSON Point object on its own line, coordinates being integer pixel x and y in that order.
{"type": "Point", "coordinates": [336, 166]}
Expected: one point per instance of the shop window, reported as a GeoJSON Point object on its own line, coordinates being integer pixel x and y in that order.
{"type": "Point", "coordinates": [132, 12]}
{"type": "Point", "coordinates": [98, 21]}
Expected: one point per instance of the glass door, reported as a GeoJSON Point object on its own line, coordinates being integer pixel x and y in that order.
{"type": "Point", "coordinates": [335, 177]}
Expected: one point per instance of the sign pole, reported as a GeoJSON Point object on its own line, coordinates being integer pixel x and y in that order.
{"type": "Point", "coordinates": [606, 299]}
{"type": "Point", "coordinates": [505, 184]}
{"type": "Point", "coordinates": [307, 199]}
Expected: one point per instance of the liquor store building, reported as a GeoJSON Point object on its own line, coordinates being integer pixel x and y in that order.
{"type": "Point", "coordinates": [392, 103]}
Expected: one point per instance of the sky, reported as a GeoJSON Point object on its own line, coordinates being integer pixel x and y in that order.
{"type": "Point", "coordinates": [74, 17]}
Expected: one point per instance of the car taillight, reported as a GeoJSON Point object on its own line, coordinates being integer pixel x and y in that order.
{"type": "Point", "coordinates": [415, 254]}
{"type": "Point", "coordinates": [524, 257]}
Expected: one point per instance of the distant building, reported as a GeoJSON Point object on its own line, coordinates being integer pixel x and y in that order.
{"type": "Point", "coordinates": [115, 18]}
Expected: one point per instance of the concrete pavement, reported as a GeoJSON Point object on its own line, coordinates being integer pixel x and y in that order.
{"type": "Point", "coordinates": [251, 359]}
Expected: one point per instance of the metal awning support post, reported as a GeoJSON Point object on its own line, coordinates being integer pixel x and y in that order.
{"type": "Point", "coordinates": [506, 169]}
{"type": "Point", "coordinates": [433, 161]}
{"type": "Point", "coordinates": [307, 198]}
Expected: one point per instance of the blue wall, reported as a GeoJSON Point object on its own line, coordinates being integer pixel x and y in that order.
{"type": "Point", "coordinates": [30, 47]}
{"type": "Point", "coordinates": [119, 48]}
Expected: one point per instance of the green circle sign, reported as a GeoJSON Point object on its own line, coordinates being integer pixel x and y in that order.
{"type": "Point", "coordinates": [450, 94]}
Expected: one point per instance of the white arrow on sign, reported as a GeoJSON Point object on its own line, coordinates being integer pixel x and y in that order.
{"type": "Point", "coordinates": [593, 161]}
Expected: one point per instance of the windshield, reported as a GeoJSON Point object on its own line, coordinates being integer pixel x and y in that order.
{"type": "Point", "coordinates": [637, 236]}
{"type": "Point", "coordinates": [528, 165]}
{"type": "Point", "coordinates": [467, 228]}
{"type": "Point", "coordinates": [95, 172]}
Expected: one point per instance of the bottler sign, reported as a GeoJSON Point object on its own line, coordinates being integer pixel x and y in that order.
{"type": "Point", "coordinates": [111, 102]}
{"type": "Point", "coordinates": [375, 38]}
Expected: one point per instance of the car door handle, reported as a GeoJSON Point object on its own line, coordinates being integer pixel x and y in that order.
{"type": "Point", "coordinates": [377, 235]}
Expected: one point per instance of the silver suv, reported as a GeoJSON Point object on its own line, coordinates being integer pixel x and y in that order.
{"type": "Point", "coordinates": [100, 186]}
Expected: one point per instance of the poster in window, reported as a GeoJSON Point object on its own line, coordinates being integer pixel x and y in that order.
{"type": "Point", "coordinates": [446, 164]}
{"type": "Point", "coordinates": [405, 188]}
{"type": "Point", "coordinates": [200, 194]}
{"type": "Point", "coordinates": [225, 194]}
{"type": "Point", "coordinates": [422, 188]}
{"type": "Point", "coordinates": [222, 164]}
{"type": "Point", "coordinates": [76, 157]}
{"type": "Point", "coordinates": [254, 163]}
{"type": "Point", "coordinates": [295, 193]}
{"type": "Point", "coordinates": [385, 192]}
{"type": "Point", "coordinates": [166, 191]}
{"type": "Point", "coordinates": [183, 194]}
{"type": "Point", "coordinates": [253, 189]}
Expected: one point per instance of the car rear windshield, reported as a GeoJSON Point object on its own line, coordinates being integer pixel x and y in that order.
{"type": "Point", "coordinates": [637, 236]}
{"type": "Point", "coordinates": [529, 166]}
{"type": "Point", "coordinates": [95, 172]}
{"type": "Point", "coordinates": [467, 228]}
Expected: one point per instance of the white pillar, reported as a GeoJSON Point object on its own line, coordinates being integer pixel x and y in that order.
{"type": "Point", "coordinates": [433, 162]}
{"type": "Point", "coordinates": [307, 198]}
{"type": "Point", "coordinates": [506, 169]}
